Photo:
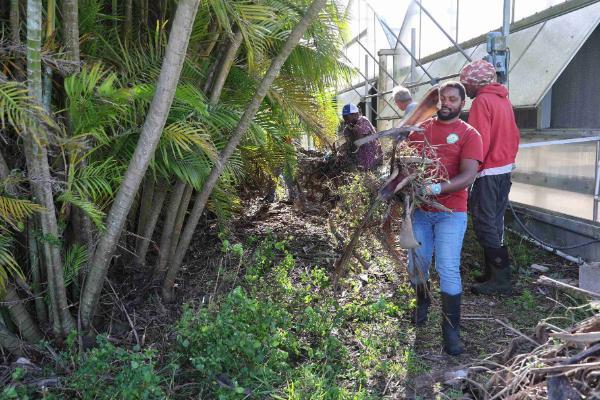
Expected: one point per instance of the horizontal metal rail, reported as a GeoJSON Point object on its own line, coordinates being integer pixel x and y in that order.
{"type": "Point", "coordinates": [562, 141]}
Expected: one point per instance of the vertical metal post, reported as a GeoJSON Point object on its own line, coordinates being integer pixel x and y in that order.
{"type": "Point", "coordinates": [597, 186]}
{"type": "Point", "coordinates": [457, 8]}
{"type": "Point", "coordinates": [366, 98]}
{"type": "Point", "coordinates": [420, 27]}
{"type": "Point", "coordinates": [512, 14]}
{"type": "Point", "coordinates": [413, 50]}
{"type": "Point", "coordinates": [381, 88]}
{"type": "Point", "coordinates": [506, 20]}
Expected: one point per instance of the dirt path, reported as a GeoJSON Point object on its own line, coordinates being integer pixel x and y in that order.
{"type": "Point", "coordinates": [489, 324]}
{"type": "Point", "coordinates": [384, 354]}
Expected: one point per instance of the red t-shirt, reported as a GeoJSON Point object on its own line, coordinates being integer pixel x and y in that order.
{"type": "Point", "coordinates": [451, 143]}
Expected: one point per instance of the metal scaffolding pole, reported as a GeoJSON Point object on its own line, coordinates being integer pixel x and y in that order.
{"type": "Point", "coordinates": [368, 109]}
{"type": "Point", "coordinates": [597, 185]}
{"type": "Point", "coordinates": [376, 61]}
{"type": "Point", "coordinates": [366, 79]}
{"type": "Point", "coordinates": [398, 41]}
{"type": "Point", "coordinates": [444, 32]}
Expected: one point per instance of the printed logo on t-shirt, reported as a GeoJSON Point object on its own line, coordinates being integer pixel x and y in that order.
{"type": "Point", "coordinates": [452, 138]}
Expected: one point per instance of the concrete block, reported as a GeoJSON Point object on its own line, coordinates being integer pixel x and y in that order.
{"type": "Point", "coordinates": [589, 277]}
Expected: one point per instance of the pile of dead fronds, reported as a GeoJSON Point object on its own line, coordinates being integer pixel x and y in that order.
{"type": "Point", "coordinates": [565, 366]}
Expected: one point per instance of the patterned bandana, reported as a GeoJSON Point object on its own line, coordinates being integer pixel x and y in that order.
{"type": "Point", "coordinates": [478, 73]}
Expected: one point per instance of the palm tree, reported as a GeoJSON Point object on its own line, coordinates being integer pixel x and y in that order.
{"type": "Point", "coordinates": [71, 29]}
{"type": "Point", "coordinates": [241, 128]}
{"type": "Point", "coordinates": [155, 120]}
{"type": "Point", "coordinates": [15, 22]}
{"type": "Point", "coordinates": [39, 175]}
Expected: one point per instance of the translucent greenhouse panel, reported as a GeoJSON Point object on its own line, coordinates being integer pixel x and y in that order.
{"type": "Point", "coordinates": [476, 17]}
{"type": "Point", "coordinates": [526, 8]}
{"type": "Point", "coordinates": [559, 178]}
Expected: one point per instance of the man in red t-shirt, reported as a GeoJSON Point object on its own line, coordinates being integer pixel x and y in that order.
{"type": "Point", "coordinates": [458, 147]}
{"type": "Point", "coordinates": [492, 115]}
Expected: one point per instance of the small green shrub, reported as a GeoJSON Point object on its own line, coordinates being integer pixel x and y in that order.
{"type": "Point", "coordinates": [109, 372]}
{"type": "Point", "coordinates": [245, 339]}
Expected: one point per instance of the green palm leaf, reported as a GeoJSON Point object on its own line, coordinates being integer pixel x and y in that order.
{"type": "Point", "coordinates": [8, 265]}
{"type": "Point", "coordinates": [14, 211]}
{"type": "Point", "coordinates": [90, 209]}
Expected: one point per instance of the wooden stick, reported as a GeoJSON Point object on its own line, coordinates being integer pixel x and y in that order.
{"type": "Point", "coordinates": [561, 368]}
{"type": "Point", "coordinates": [340, 239]}
{"type": "Point", "coordinates": [516, 331]}
{"type": "Point", "coordinates": [544, 280]}
{"type": "Point", "coordinates": [343, 261]}
{"type": "Point", "coordinates": [585, 338]}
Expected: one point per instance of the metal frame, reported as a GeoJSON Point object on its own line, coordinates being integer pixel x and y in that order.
{"type": "Point", "coordinates": [596, 216]}
{"type": "Point", "coordinates": [597, 185]}
{"type": "Point", "coordinates": [442, 30]}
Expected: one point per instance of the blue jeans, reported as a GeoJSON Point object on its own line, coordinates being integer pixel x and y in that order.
{"type": "Point", "coordinates": [441, 233]}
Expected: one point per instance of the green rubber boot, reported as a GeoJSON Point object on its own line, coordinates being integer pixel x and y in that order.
{"type": "Point", "coordinates": [499, 282]}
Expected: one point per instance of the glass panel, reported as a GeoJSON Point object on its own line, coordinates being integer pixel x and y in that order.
{"type": "Point", "coordinates": [525, 8]}
{"type": "Point", "coordinates": [556, 177]}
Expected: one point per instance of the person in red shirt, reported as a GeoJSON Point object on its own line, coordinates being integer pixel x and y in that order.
{"type": "Point", "coordinates": [492, 115]}
{"type": "Point", "coordinates": [458, 147]}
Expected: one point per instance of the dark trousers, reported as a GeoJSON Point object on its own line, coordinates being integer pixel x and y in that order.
{"type": "Point", "coordinates": [488, 200]}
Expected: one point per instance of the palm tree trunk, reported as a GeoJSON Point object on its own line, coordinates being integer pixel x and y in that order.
{"type": "Point", "coordinates": [50, 27]}
{"type": "Point", "coordinates": [71, 29]}
{"type": "Point", "coordinates": [50, 19]}
{"type": "Point", "coordinates": [84, 228]}
{"type": "Point", "coordinates": [204, 49]}
{"type": "Point", "coordinates": [167, 229]}
{"type": "Point", "coordinates": [155, 121]}
{"type": "Point", "coordinates": [15, 22]}
{"type": "Point", "coordinates": [115, 13]}
{"type": "Point", "coordinates": [18, 312]}
{"type": "Point", "coordinates": [236, 137]}
{"type": "Point", "coordinates": [10, 342]}
{"type": "Point", "coordinates": [224, 60]}
{"type": "Point", "coordinates": [39, 175]}
{"type": "Point", "coordinates": [225, 66]}
{"type": "Point", "coordinates": [145, 207]}
{"type": "Point", "coordinates": [127, 26]}
{"type": "Point", "coordinates": [36, 275]}
{"type": "Point", "coordinates": [160, 193]}
{"type": "Point", "coordinates": [4, 169]}
{"type": "Point", "coordinates": [143, 15]}
{"type": "Point", "coordinates": [212, 70]}
{"type": "Point", "coordinates": [170, 276]}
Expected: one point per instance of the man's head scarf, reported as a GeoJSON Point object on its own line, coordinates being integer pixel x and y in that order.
{"type": "Point", "coordinates": [478, 73]}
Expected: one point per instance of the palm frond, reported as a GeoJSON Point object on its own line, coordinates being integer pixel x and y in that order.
{"type": "Point", "coordinates": [8, 265]}
{"type": "Point", "coordinates": [89, 208]}
{"type": "Point", "coordinates": [186, 137]}
{"type": "Point", "coordinates": [98, 181]}
{"type": "Point", "coordinates": [75, 258]}
{"type": "Point", "coordinates": [19, 111]}
{"type": "Point", "coordinates": [14, 211]}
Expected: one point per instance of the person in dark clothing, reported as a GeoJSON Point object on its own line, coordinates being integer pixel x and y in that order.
{"type": "Point", "coordinates": [369, 155]}
{"type": "Point", "coordinates": [492, 115]}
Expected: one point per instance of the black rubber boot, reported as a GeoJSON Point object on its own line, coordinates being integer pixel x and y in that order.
{"type": "Point", "coordinates": [486, 274]}
{"type": "Point", "coordinates": [499, 282]}
{"type": "Point", "coordinates": [419, 316]}
{"type": "Point", "coordinates": [451, 324]}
